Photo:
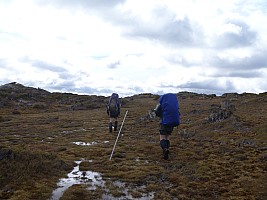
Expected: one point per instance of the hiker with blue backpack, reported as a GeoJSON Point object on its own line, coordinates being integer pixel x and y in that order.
{"type": "Point", "coordinates": [113, 111]}
{"type": "Point", "coordinates": [168, 111]}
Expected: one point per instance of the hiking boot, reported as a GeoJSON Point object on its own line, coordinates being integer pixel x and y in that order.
{"type": "Point", "coordinates": [116, 126]}
{"type": "Point", "coordinates": [166, 154]}
{"type": "Point", "coordinates": [110, 127]}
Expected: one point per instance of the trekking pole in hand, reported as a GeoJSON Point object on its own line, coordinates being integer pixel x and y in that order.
{"type": "Point", "coordinates": [118, 135]}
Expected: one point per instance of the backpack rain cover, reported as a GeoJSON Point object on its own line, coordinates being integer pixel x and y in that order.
{"type": "Point", "coordinates": [170, 110]}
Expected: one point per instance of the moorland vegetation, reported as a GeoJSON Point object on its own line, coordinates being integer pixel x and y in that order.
{"type": "Point", "coordinates": [218, 152]}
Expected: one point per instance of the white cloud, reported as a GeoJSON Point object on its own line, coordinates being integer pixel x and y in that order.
{"type": "Point", "coordinates": [134, 46]}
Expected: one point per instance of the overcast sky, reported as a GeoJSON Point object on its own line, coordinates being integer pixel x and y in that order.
{"type": "Point", "coordinates": [135, 46]}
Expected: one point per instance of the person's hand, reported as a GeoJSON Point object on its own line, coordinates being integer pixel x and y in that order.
{"type": "Point", "coordinates": [152, 114]}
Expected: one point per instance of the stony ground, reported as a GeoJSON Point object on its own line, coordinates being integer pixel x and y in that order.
{"type": "Point", "coordinates": [218, 152]}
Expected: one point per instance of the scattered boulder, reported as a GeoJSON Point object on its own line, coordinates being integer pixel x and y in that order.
{"type": "Point", "coordinates": [222, 112]}
{"type": "Point", "coordinates": [247, 143]}
{"type": "Point", "coordinates": [186, 133]}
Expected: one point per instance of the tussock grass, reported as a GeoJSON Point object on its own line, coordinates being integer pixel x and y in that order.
{"type": "Point", "coordinates": [25, 169]}
{"type": "Point", "coordinates": [82, 193]}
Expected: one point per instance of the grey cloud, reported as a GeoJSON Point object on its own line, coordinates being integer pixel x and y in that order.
{"type": "Point", "coordinates": [90, 90]}
{"type": "Point", "coordinates": [114, 65]}
{"type": "Point", "coordinates": [246, 37]}
{"type": "Point", "coordinates": [239, 74]}
{"type": "Point", "coordinates": [178, 32]}
{"type": "Point", "coordinates": [66, 76]}
{"type": "Point", "coordinates": [47, 66]}
{"type": "Point", "coordinates": [179, 59]}
{"type": "Point", "coordinates": [136, 89]}
{"type": "Point", "coordinates": [207, 86]}
{"type": "Point", "coordinates": [70, 86]}
{"type": "Point", "coordinates": [105, 9]}
{"type": "Point", "coordinates": [84, 4]}
{"type": "Point", "coordinates": [66, 85]}
{"type": "Point", "coordinates": [98, 57]}
{"type": "Point", "coordinates": [256, 61]}
{"type": "Point", "coordinates": [43, 65]}
{"type": "Point", "coordinates": [210, 85]}
{"type": "Point", "coordinates": [73, 77]}
{"type": "Point", "coordinates": [165, 28]}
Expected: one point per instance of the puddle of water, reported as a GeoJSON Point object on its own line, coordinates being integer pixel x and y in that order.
{"type": "Point", "coordinates": [68, 132]}
{"type": "Point", "coordinates": [126, 190]}
{"type": "Point", "coordinates": [94, 180]}
{"type": "Point", "coordinates": [138, 160]}
{"type": "Point", "coordinates": [77, 177]}
{"type": "Point", "coordinates": [84, 143]}
{"type": "Point", "coordinates": [128, 196]}
{"type": "Point", "coordinates": [48, 139]}
{"type": "Point", "coordinates": [87, 143]}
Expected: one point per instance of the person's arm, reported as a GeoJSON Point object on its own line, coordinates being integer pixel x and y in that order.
{"type": "Point", "coordinates": [158, 110]}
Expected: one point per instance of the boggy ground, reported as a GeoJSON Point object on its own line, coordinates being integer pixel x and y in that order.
{"type": "Point", "coordinates": [213, 155]}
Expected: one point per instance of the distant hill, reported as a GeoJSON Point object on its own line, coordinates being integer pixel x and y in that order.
{"type": "Point", "coordinates": [16, 95]}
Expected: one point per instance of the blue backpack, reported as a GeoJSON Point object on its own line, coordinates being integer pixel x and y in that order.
{"type": "Point", "coordinates": [170, 109]}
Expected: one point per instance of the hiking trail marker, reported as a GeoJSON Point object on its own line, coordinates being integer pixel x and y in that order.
{"type": "Point", "coordinates": [118, 135]}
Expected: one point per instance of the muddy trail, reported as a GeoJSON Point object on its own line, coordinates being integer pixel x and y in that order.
{"type": "Point", "coordinates": [218, 152]}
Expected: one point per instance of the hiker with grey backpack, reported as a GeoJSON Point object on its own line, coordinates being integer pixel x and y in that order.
{"type": "Point", "coordinates": [168, 111]}
{"type": "Point", "coordinates": [113, 111]}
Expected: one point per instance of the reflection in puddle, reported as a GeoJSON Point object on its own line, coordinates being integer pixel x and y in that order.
{"type": "Point", "coordinates": [94, 180]}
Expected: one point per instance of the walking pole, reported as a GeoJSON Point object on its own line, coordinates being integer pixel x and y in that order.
{"type": "Point", "coordinates": [118, 135]}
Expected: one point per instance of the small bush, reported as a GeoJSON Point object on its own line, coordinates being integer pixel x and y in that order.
{"type": "Point", "coordinates": [21, 165]}
{"type": "Point", "coordinates": [39, 106]}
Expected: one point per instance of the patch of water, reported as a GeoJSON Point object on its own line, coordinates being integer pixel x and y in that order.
{"type": "Point", "coordinates": [77, 130]}
{"type": "Point", "coordinates": [77, 177]}
{"type": "Point", "coordinates": [126, 190]}
{"type": "Point", "coordinates": [48, 139]}
{"type": "Point", "coordinates": [87, 143]}
{"type": "Point", "coordinates": [138, 160]}
{"type": "Point", "coordinates": [84, 143]}
{"type": "Point", "coordinates": [94, 180]}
